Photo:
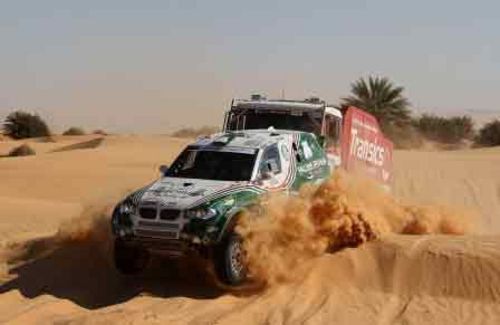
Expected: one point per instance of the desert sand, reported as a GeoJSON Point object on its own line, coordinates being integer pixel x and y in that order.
{"type": "Point", "coordinates": [55, 249]}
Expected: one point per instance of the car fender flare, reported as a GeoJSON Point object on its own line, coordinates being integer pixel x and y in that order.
{"type": "Point", "coordinates": [234, 215]}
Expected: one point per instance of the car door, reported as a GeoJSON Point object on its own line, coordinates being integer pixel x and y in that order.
{"type": "Point", "coordinates": [311, 161]}
{"type": "Point", "coordinates": [275, 164]}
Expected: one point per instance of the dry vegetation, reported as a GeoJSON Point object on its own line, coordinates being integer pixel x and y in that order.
{"type": "Point", "coordinates": [443, 133]}
{"type": "Point", "coordinates": [451, 130]}
{"type": "Point", "coordinates": [22, 125]}
{"type": "Point", "coordinates": [74, 131]}
{"type": "Point", "coordinates": [100, 132]}
{"type": "Point", "coordinates": [22, 150]}
{"type": "Point", "coordinates": [489, 135]}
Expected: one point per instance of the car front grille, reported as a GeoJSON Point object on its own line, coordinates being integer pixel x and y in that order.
{"type": "Point", "coordinates": [157, 233]}
{"type": "Point", "coordinates": [159, 225]}
{"type": "Point", "coordinates": [147, 213]}
{"type": "Point", "coordinates": [169, 214]}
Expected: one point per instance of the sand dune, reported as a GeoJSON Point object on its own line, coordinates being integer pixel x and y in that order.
{"type": "Point", "coordinates": [89, 144]}
{"type": "Point", "coordinates": [43, 145]}
{"type": "Point", "coordinates": [59, 268]}
{"type": "Point", "coordinates": [468, 179]}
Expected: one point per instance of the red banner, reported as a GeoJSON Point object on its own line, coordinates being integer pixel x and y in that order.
{"type": "Point", "coordinates": [364, 147]}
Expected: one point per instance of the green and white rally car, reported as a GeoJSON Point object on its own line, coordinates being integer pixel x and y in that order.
{"type": "Point", "coordinates": [193, 208]}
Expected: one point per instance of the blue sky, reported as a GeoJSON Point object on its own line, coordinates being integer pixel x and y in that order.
{"type": "Point", "coordinates": [157, 65]}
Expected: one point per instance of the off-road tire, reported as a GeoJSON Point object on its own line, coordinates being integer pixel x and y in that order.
{"type": "Point", "coordinates": [229, 260]}
{"type": "Point", "coordinates": [130, 259]}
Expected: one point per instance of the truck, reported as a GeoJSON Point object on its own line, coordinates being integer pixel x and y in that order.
{"type": "Point", "coordinates": [352, 138]}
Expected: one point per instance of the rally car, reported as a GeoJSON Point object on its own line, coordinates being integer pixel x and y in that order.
{"type": "Point", "coordinates": [194, 207]}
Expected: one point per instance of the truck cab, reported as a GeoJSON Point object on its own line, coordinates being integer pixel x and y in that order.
{"type": "Point", "coordinates": [311, 115]}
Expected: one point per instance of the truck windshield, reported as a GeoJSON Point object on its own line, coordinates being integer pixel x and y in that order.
{"type": "Point", "coordinates": [261, 120]}
{"type": "Point", "coordinates": [214, 165]}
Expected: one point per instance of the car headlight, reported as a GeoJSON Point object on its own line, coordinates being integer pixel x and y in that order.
{"type": "Point", "coordinates": [126, 207]}
{"type": "Point", "coordinates": [120, 222]}
{"type": "Point", "coordinates": [201, 213]}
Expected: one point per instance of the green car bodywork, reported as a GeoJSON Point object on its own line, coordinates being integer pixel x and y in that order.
{"type": "Point", "coordinates": [194, 206]}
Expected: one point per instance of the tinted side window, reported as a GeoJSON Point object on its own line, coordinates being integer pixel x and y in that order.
{"type": "Point", "coordinates": [310, 148]}
{"type": "Point", "coordinates": [333, 128]}
{"type": "Point", "coordinates": [271, 160]}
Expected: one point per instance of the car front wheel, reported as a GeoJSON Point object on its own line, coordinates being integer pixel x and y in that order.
{"type": "Point", "coordinates": [230, 262]}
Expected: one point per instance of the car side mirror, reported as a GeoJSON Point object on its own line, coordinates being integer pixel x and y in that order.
{"type": "Point", "coordinates": [267, 175]}
{"type": "Point", "coordinates": [163, 169]}
{"type": "Point", "coordinates": [264, 176]}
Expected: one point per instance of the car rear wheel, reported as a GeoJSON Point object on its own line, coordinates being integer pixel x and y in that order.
{"type": "Point", "coordinates": [230, 262]}
{"type": "Point", "coordinates": [130, 259]}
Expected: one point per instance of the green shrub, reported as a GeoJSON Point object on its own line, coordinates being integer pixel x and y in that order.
{"type": "Point", "coordinates": [489, 135]}
{"type": "Point", "coordinates": [450, 130]}
{"type": "Point", "coordinates": [403, 137]}
{"type": "Point", "coordinates": [21, 125]}
{"type": "Point", "coordinates": [22, 150]}
{"type": "Point", "coordinates": [74, 131]}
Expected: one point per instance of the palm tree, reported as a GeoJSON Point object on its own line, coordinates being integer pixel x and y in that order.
{"type": "Point", "coordinates": [380, 98]}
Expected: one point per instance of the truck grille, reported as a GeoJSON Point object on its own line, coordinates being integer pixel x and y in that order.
{"type": "Point", "coordinates": [147, 213]}
{"type": "Point", "coordinates": [169, 214]}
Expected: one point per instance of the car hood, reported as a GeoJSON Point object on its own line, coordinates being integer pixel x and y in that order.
{"type": "Point", "coordinates": [184, 193]}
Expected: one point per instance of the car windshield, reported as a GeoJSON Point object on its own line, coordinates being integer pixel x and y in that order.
{"type": "Point", "coordinates": [251, 120]}
{"type": "Point", "coordinates": [215, 165]}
